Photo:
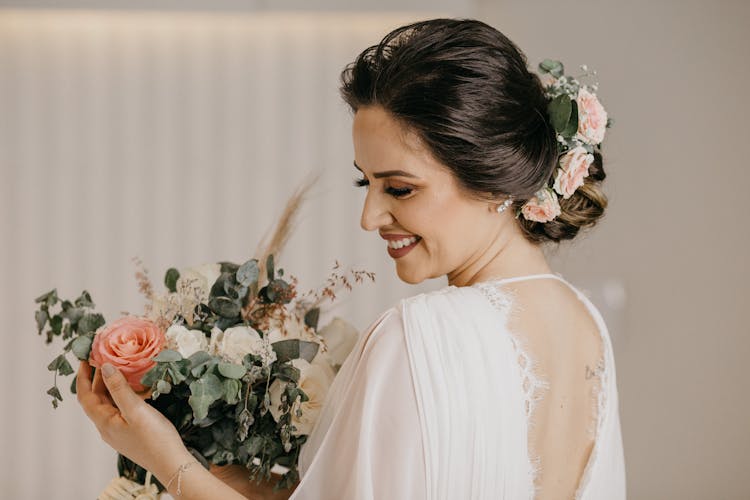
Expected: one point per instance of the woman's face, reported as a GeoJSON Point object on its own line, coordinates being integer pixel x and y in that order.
{"type": "Point", "coordinates": [416, 203]}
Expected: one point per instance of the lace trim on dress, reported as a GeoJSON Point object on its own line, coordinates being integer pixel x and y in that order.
{"type": "Point", "coordinates": [534, 385]}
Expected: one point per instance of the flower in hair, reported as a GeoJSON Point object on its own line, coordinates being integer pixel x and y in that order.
{"type": "Point", "coordinates": [543, 207]}
{"type": "Point", "coordinates": [592, 118]}
{"type": "Point", "coordinates": [580, 122]}
{"type": "Point", "coordinates": [573, 168]}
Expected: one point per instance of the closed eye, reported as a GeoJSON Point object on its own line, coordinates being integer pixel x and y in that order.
{"type": "Point", "coordinates": [395, 192]}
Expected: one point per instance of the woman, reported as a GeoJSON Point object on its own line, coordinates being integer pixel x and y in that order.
{"type": "Point", "coordinates": [500, 385]}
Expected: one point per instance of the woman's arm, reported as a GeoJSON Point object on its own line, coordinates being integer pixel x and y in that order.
{"type": "Point", "coordinates": [145, 436]}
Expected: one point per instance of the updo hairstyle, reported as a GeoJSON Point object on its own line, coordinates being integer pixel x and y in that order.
{"type": "Point", "coordinates": [465, 90]}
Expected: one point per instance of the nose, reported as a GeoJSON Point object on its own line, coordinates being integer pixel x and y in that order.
{"type": "Point", "coordinates": [375, 212]}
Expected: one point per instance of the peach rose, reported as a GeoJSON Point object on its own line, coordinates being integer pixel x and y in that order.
{"type": "Point", "coordinates": [128, 344]}
{"type": "Point", "coordinates": [543, 207]}
{"type": "Point", "coordinates": [592, 118]}
{"type": "Point", "coordinates": [574, 167]}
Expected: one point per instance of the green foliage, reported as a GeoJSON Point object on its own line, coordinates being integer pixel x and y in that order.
{"type": "Point", "coordinates": [203, 392]}
{"type": "Point", "coordinates": [311, 317]}
{"type": "Point", "coordinates": [248, 272]}
{"type": "Point", "coordinates": [167, 355]}
{"type": "Point", "coordinates": [170, 279]}
{"type": "Point", "coordinates": [555, 68]}
{"type": "Point", "coordinates": [287, 350]}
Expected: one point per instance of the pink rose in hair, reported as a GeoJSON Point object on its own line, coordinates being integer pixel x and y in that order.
{"type": "Point", "coordinates": [543, 207]}
{"type": "Point", "coordinates": [592, 118]}
{"type": "Point", "coordinates": [128, 344]}
{"type": "Point", "coordinates": [574, 167]}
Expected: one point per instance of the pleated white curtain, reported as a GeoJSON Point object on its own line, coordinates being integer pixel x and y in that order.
{"type": "Point", "coordinates": [175, 137]}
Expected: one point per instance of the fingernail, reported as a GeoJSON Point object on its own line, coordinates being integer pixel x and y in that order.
{"type": "Point", "coordinates": [108, 370]}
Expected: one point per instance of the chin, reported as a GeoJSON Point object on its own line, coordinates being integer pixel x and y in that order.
{"type": "Point", "coordinates": [409, 277]}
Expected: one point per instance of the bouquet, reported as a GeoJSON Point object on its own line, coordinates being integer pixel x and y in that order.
{"type": "Point", "coordinates": [230, 353]}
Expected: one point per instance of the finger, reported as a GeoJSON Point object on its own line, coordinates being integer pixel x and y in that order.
{"type": "Point", "coordinates": [100, 388]}
{"type": "Point", "coordinates": [125, 398]}
{"type": "Point", "coordinates": [97, 411]}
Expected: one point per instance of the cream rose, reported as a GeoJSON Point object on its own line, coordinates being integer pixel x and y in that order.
{"type": "Point", "coordinates": [592, 118]}
{"type": "Point", "coordinates": [314, 380]}
{"type": "Point", "coordinates": [340, 338]}
{"type": "Point", "coordinates": [574, 167]}
{"type": "Point", "coordinates": [543, 207]}
{"type": "Point", "coordinates": [186, 342]}
{"type": "Point", "coordinates": [234, 343]}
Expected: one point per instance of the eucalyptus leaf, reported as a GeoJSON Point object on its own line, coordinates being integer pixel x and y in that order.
{"type": "Point", "coordinates": [232, 391]}
{"type": "Point", "coordinates": [231, 370]}
{"type": "Point", "coordinates": [152, 376]}
{"type": "Point", "coordinates": [49, 299]}
{"type": "Point", "coordinates": [224, 307]}
{"type": "Point", "coordinates": [84, 300]}
{"type": "Point", "coordinates": [551, 66]}
{"type": "Point", "coordinates": [248, 272]}
{"type": "Point", "coordinates": [41, 317]}
{"type": "Point", "coordinates": [55, 323]}
{"type": "Point", "coordinates": [170, 279]}
{"type": "Point", "coordinates": [163, 387]}
{"type": "Point", "coordinates": [167, 355]}
{"type": "Point", "coordinates": [90, 322]}
{"type": "Point", "coordinates": [81, 347]}
{"type": "Point", "coordinates": [559, 110]}
{"type": "Point", "coordinates": [287, 350]}
{"type": "Point", "coordinates": [312, 316]}
{"type": "Point", "coordinates": [55, 393]}
{"type": "Point", "coordinates": [203, 392]}
{"type": "Point", "coordinates": [572, 127]}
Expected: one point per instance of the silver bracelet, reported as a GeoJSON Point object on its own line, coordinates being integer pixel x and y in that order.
{"type": "Point", "coordinates": [182, 468]}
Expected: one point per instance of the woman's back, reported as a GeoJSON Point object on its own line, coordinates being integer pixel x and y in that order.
{"type": "Point", "coordinates": [562, 352]}
{"type": "Point", "coordinates": [467, 387]}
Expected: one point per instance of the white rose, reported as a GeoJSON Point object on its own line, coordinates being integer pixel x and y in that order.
{"type": "Point", "coordinates": [197, 281]}
{"type": "Point", "coordinates": [234, 343]}
{"type": "Point", "coordinates": [340, 338]}
{"type": "Point", "coordinates": [186, 342]}
{"type": "Point", "coordinates": [314, 380]}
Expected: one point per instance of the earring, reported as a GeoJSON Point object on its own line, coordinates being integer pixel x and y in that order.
{"type": "Point", "coordinates": [501, 208]}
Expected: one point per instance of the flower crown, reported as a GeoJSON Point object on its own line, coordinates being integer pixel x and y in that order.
{"type": "Point", "coordinates": [579, 121]}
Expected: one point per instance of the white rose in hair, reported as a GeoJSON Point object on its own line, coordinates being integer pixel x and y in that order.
{"type": "Point", "coordinates": [186, 342]}
{"type": "Point", "coordinates": [340, 338]}
{"type": "Point", "coordinates": [314, 380]}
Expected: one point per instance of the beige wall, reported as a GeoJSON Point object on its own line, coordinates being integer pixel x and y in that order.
{"type": "Point", "coordinates": [674, 75]}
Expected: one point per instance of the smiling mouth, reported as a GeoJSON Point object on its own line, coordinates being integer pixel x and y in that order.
{"type": "Point", "coordinates": [405, 242]}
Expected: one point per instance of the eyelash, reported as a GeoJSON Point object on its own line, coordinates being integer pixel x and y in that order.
{"type": "Point", "coordinates": [397, 193]}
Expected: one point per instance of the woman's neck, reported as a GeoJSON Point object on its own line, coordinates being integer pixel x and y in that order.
{"type": "Point", "coordinates": [506, 257]}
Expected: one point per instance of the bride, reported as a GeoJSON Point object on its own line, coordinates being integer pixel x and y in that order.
{"type": "Point", "coordinates": [500, 385]}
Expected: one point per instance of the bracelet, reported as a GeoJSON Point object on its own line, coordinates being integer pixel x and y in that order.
{"type": "Point", "coordinates": [182, 468]}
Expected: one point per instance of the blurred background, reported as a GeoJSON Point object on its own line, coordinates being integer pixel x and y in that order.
{"type": "Point", "coordinates": [176, 130]}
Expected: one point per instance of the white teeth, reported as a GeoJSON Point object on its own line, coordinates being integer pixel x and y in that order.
{"type": "Point", "coordinates": [396, 244]}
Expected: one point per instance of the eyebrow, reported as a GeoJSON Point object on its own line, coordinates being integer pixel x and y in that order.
{"type": "Point", "coordinates": [388, 173]}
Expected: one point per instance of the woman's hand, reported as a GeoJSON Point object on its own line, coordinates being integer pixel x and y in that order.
{"type": "Point", "coordinates": [127, 423]}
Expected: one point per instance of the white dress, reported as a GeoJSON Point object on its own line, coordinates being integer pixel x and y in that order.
{"type": "Point", "coordinates": [431, 404]}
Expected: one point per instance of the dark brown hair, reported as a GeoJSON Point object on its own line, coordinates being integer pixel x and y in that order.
{"type": "Point", "coordinates": [465, 90]}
